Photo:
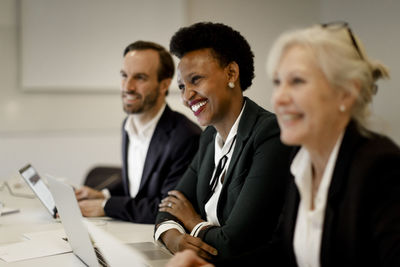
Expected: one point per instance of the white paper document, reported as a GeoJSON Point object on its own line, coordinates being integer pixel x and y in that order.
{"type": "Point", "coordinates": [58, 233]}
{"type": "Point", "coordinates": [34, 248]}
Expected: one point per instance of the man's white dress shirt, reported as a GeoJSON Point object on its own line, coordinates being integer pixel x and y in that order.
{"type": "Point", "coordinates": [140, 135]}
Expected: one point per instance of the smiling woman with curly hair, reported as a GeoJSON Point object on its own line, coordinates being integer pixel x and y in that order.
{"type": "Point", "coordinates": [228, 201]}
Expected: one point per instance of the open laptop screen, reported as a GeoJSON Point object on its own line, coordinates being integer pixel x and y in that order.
{"type": "Point", "coordinates": [32, 178]}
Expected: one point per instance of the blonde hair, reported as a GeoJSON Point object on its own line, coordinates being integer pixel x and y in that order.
{"type": "Point", "coordinates": [342, 61]}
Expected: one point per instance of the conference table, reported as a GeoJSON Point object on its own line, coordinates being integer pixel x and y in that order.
{"type": "Point", "coordinates": [34, 218]}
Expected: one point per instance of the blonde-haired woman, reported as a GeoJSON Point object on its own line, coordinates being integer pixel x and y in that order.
{"type": "Point", "coordinates": [343, 207]}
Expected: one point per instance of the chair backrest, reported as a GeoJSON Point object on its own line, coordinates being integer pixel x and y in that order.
{"type": "Point", "coordinates": [101, 177]}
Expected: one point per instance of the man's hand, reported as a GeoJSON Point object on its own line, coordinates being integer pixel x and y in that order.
{"type": "Point", "coordinates": [187, 258]}
{"type": "Point", "coordinates": [88, 193]}
{"type": "Point", "coordinates": [92, 207]}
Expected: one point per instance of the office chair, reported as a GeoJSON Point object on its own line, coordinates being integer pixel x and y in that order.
{"type": "Point", "coordinates": [100, 177]}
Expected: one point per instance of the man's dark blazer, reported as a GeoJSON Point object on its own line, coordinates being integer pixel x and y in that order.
{"type": "Point", "coordinates": [253, 190]}
{"type": "Point", "coordinates": [362, 217]}
{"type": "Point", "coordinates": [172, 147]}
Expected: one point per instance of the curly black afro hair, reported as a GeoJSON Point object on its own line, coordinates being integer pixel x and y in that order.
{"type": "Point", "coordinates": [227, 45]}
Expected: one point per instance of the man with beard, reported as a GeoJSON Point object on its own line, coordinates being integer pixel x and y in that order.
{"type": "Point", "coordinates": [157, 143]}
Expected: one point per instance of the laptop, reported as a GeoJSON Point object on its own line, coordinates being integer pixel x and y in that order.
{"type": "Point", "coordinates": [35, 182]}
{"type": "Point", "coordinates": [108, 251]}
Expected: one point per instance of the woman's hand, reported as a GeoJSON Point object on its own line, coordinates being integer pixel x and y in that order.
{"type": "Point", "coordinates": [175, 242]}
{"type": "Point", "coordinates": [178, 205]}
{"type": "Point", "coordinates": [187, 258]}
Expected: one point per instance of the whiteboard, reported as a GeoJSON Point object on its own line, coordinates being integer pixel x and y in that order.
{"type": "Point", "coordinates": [77, 45]}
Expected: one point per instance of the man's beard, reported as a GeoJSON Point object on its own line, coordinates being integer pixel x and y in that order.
{"type": "Point", "coordinates": [148, 103]}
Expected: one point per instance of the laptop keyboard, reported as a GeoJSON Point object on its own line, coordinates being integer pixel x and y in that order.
{"type": "Point", "coordinates": [100, 258]}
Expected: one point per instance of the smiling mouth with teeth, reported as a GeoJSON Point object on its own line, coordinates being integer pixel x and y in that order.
{"type": "Point", "coordinates": [195, 108]}
{"type": "Point", "coordinates": [130, 97]}
{"type": "Point", "coordinates": [289, 117]}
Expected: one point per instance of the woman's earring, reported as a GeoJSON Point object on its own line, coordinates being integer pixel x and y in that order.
{"type": "Point", "coordinates": [342, 108]}
{"type": "Point", "coordinates": [231, 85]}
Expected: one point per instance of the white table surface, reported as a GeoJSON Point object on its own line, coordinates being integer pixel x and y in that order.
{"type": "Point", "coordinates": [33, 217]}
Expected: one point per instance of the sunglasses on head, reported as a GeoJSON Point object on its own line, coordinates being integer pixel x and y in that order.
{"type": "Point", "coordinates": [337, 25]}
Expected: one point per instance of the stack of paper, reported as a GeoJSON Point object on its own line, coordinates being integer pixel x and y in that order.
{"type": "Point", "coordinates": [40, 245]}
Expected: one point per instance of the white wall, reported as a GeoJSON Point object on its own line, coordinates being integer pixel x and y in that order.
{"type": "Point", "coordinates": [63, 133]}
{"type": "Point", "coordinates": [67, 133]}
{"type": "Point", "coordinates": [87, 37]}
{"type": "Point", "coordinates": [46, 129]}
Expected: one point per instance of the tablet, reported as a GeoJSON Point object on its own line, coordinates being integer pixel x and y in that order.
{"type": "Point", "coordinates": [32, 178]}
